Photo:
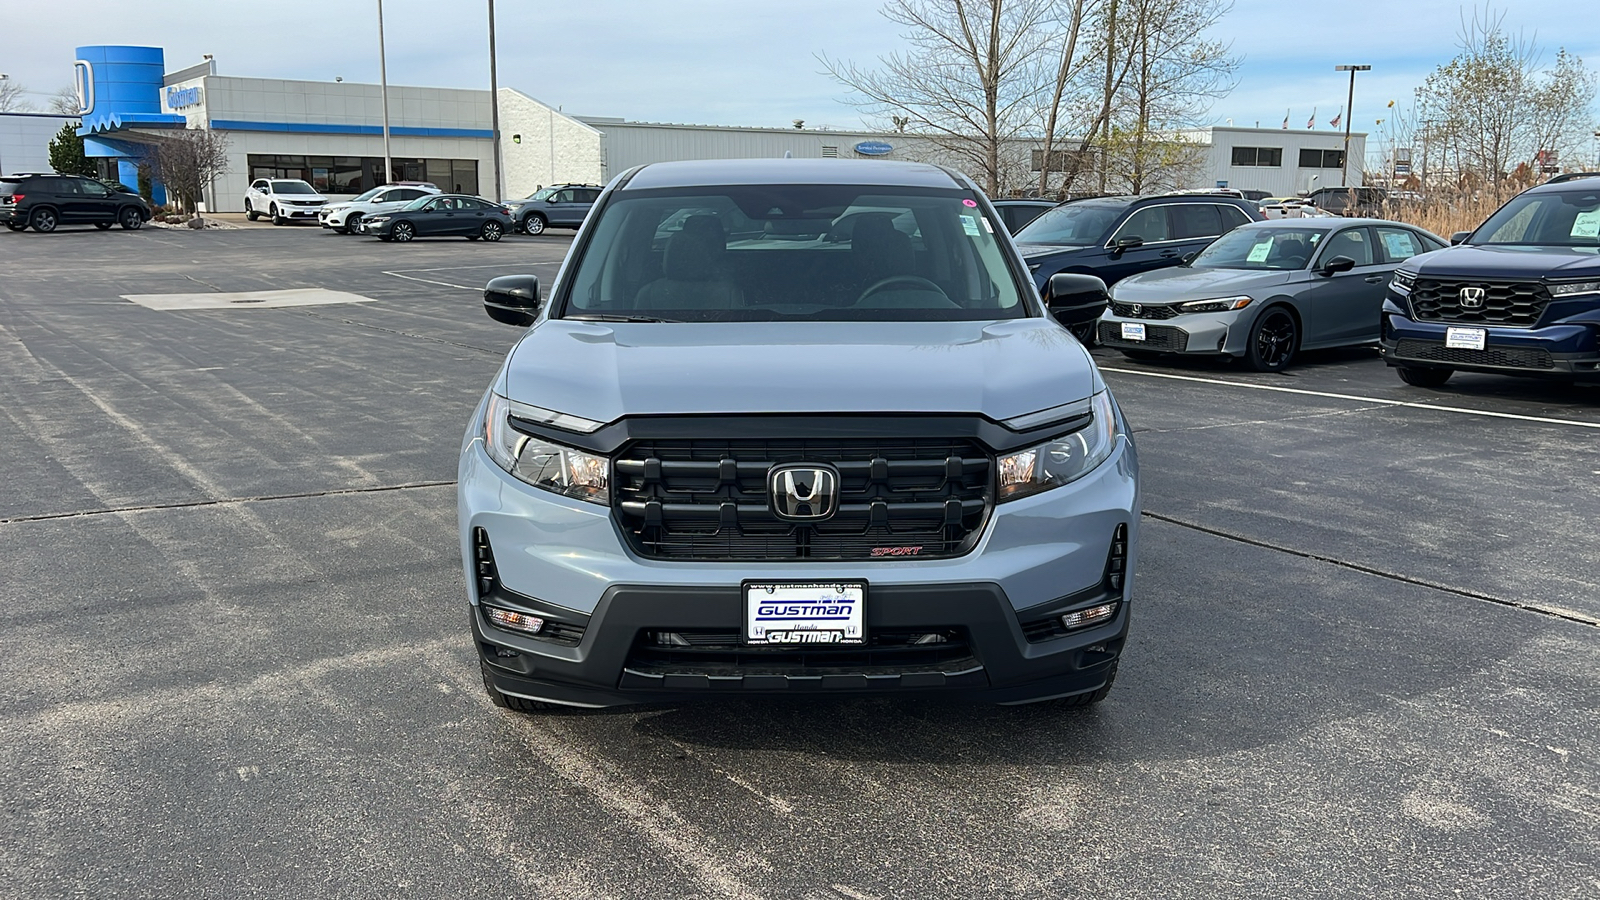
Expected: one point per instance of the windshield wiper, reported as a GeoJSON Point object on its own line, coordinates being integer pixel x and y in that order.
{"type": "Point", "coordinates": [614, 317]}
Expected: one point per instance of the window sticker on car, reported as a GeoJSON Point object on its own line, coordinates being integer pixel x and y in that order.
{"type": "Point", "coordinates": [969, 224]}
{"type": "Point", "coordinates": [1587, 224]}
{"type": "Point", "coordinates": [1398, 244]}
{"type": "Point", "coordinates": [1259, 252]}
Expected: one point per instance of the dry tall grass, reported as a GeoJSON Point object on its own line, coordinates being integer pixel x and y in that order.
{"type": "Point", "coordinates": [1445, 216]}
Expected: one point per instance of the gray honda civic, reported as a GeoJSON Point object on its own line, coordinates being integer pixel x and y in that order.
{"type": "Point", "coordinates": [1265, 291]}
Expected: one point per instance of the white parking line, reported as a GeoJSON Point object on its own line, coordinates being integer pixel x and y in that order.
{"type": "Point", "coordinates": [431, 281]}
{"type": "Point", "coordinates": [1380, 400]}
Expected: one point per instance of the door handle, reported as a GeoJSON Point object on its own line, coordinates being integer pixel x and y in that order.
{"type": "Point", "coordinates": [1374, 279]}
{"type": "Point", "coordinates": [1170, 254]}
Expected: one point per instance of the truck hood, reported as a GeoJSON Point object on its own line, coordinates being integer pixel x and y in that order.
{"type": "Point", "coordinates": [1531, 263]}
{"type": "Point", "coordinates": [1178, 283]}
{"type": "Point", "coordinates": [604, 371]}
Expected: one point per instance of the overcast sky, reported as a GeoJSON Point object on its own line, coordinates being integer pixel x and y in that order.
{"type": "Point", "coordinates": [724, 62]}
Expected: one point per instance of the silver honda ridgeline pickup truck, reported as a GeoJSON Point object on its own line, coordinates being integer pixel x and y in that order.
{"type": "Point", "coordinates": [797, 427]}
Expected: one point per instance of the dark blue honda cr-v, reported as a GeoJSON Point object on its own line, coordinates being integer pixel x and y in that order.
{"type": "Point", "coordinates": [1518, 296]}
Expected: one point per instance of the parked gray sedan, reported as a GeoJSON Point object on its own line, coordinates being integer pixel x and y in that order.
{"type": "Point", "coordinates": [1265, 291]}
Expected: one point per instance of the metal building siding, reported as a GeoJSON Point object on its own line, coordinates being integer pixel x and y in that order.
{"type": "Point", "coordinates": [631, 144]}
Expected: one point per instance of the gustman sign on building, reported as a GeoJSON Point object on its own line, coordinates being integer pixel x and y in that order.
{"type": "Point", "coordinates": [179, 98]}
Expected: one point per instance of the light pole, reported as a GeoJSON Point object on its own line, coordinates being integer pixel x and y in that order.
{"type": "Point", "coordinates": [383, 88]}
{"type": "Point", "coordinates": [1344, 176]}
{"type": "Point", "coordinates": [494, 114]}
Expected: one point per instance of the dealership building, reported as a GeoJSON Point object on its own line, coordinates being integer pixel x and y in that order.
{"type": "Point", "coordinates": [330, 134]}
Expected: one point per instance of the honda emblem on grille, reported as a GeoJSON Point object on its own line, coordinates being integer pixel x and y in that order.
{"type": "Point", "coordinates": [1472, 297]}
{"type": "Point", "coordinates": [1136, 310]}
{"type": "Point", "coordinates": [803, 491]}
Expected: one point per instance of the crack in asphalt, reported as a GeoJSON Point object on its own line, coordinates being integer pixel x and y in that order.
{"type": "Point", "coordinates": [224, 501]}
{"type": "Point", "coordinates": [1380, 573]}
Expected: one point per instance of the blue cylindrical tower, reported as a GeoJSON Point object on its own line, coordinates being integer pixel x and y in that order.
{"type": "Point", "coordinates": [119, 88]}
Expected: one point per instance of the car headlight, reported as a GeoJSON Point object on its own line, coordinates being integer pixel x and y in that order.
{"type": "Point", "coordinates": [1575, 288]}
{"type": "Point", "coordinates": [1064, 459]}
{"type": "Point", "coordinates": [374, 220]}
{"type": "Point", "coordinates": [1403, 281]}
{"type": "Point", "coordinates": [1220, 304]}
{"type": "Point", "coordinates": [541, 463]}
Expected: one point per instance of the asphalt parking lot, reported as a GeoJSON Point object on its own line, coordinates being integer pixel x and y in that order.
{"type": "Point", "coordinates": [1365, 657]}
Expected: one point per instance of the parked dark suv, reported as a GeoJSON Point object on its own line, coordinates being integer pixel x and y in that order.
{"type": "Point", "coordinates": [1518, 296]}
{"type": "Point", "coordinates": [1350, 201]}
{"type": "Point", "coordinates": [557, 206]}
{"type": "Point", "coordinates": [44, 202]}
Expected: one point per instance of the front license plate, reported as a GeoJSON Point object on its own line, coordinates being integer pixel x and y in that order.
{"type": "Point", "coordinates": [1132, 331]}
{"type": "Point", "coordinates": [804, 613]}
{"type": "Point", "coordinates": [1465, 338]}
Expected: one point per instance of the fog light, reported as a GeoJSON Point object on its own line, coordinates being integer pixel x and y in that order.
{"type": "Point", "coordinates": [1086, 617]}
{"type": "Point", "coordinates": [512, 620]}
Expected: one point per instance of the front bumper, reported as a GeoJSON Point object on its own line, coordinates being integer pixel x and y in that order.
{"type": "Point", "coordinates": [1566, 351]}
{"type": "Point", "coordinates": [566, 560]}
{"type": "Point", "coordinates": [1200, 334]}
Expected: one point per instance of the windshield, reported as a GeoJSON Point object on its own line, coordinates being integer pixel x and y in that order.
{"type": "Point", "coordinates": [1559, 219]}
{"type": "Point", "coordinates": [369, 194]}
{"type": "Point", "coordinates": [542, 194]}
{"type": "Point", "coordinates": [291, 187]}
{"type": "Point", "coordinates": [1261, 248]}
{"type": "Point", "coordinates": [794, 252]}
{"type": "Point", "coordinates": [1073, 223]}
{"type": "Point", "coordinates": [420, 202]}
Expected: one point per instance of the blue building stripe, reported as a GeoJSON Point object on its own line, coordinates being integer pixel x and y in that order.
{"type": "Point", "coordinates": [319, 128]}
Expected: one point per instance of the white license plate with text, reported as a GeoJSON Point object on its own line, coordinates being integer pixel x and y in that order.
{"type": "Point", "coordinates": [804, 613]}
{"type": "Point", "coordinates": [1133, 331]}
{"type": "Point", "coordinates": [1466, 338]}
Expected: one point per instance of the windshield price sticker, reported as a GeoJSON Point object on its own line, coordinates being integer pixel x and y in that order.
{"type": "Point", "coordinates": [805, 613]}
{"type": "Point", "coordinates": [1259, 252]}
{"type": "Point", "coordinates": [1466, 338]}
{"type": "Point", "coordinates": [1133, 331]}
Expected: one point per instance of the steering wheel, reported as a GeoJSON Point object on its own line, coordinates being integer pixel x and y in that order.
{"type": "Point", "coordinates": [915, 280]}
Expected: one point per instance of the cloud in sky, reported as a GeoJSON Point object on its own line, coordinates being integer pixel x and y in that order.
{"type": "Point", "coordinates": [726, 62]}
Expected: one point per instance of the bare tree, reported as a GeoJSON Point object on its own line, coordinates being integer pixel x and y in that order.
{"type": "Point", "coordinates": [187, 162]}
{"type": "Point", "coordinates": [64, 101]}
{"type": "Point", "coordinates": [970, 82]}
{"type": "Point", "coordinates": [11, 99]}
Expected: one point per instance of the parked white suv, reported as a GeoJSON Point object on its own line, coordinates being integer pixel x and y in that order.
{"type": "Point", "coordinates": [284, 199]}
{"type": "Point", "coordinates": [345, 216]}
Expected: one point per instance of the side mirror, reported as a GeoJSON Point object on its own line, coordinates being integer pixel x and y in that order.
{"type": "Point", "coordinates": [1189, 257]}
{"type": "Point", "coordinates": [1459, 237]}
{"type": "Point", "coordinates": [1077, 299]}
{"type": "Point", "coordinates": [1337, 264]}
{"type": "Point", "coordinates": [1126, 243]}
{"type": "Point", "coordinates": [512, 299]}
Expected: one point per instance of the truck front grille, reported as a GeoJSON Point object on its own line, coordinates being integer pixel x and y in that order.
{"type": "Point", "coordinates": [898, 499]}
{"type": "Point", "coordinates": [1514, 304]}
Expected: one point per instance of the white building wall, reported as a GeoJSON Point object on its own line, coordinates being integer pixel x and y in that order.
{"type": "Point", "coordinates": [25, 140]}
{"type": "Point", "coordinates": [1286, 180]}
{"type": "Point", "coordinates": [629, 144]}
{"type": "Point", "coordinates": [541, 146]}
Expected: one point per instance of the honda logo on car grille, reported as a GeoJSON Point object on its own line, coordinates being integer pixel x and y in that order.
{"type": "Point", "coordinates": [1472, 297]}
{"type": "Point", "coordinates": [803, 491]}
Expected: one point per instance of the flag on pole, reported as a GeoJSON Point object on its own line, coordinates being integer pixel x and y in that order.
{"type": "Point", "coordinates": [1312, 122]}
{"type": "Point", "coordinates": [1286, 120]}
{"type": "Point", "coordinates": [1335, 121]}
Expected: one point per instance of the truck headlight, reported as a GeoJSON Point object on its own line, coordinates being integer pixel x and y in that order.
{"type": "Point", "coordinates": [1575, 288]}
{"type": "Point", "coordinates": [1064, 459]}
{"type": "Point", "coordinates": [1402, 282]}
{"type": "Point", "coordinates": [541, 463]}
{"type": "Point", "coordinates": [1220, 304]}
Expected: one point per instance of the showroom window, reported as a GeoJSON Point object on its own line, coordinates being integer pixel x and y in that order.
{"type": "Point", "coordinates": [354, 174]}
{"type": "Point", "coordinates": [1271, 157]}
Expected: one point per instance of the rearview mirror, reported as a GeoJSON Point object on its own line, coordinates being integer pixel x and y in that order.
{"type": "Point", "coordinates": [1077, 299]}
{"type": "Point", "coordinates": [512, 299]}
{"type": "Point", "coordinates": [1337, 264]}
{"type": "Point", "coordinates": [1460, 237]}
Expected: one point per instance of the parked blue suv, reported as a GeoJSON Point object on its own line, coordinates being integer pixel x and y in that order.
{"type": "Point", "coordinates": [1518, 296]}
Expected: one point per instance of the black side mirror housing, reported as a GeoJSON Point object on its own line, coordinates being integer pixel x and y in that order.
{"type": "Point", "coordinates": [1077, 299]}
{"type": "Point", "coordinates": [513, 299]}
{"type": "Point", "coordinates": [1459, 237]}
{"type": "Point", "coordinates": [1125, 243]}
{"type": "Point", "coordinates": [1336, 265]}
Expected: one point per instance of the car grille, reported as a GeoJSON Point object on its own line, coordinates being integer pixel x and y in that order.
{"type": "Point", "coordinates": [898, 498]}
{"type": "Point", "coordinates": [1506, 357]}
{"type": "Point", "coordinates": [1158, 338]}
{"type": "Point", "coordinates": [720, 654]}
{"type": "Point", "coordinates": [1516, 304]}
{"type": "Point", "coordinates": [1141, 311]}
